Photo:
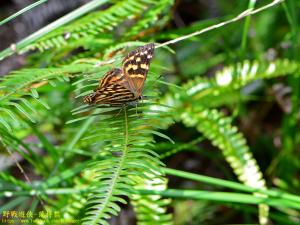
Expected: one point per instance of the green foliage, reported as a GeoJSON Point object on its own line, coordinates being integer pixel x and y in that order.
{"type": "Point", "coordinates": [151, 209]}
{"type": "Point", "coordinates": [149, 19]}
{"type": "Point", "coordinates": [218, 129]}
{"type": "Point", "coordinates": [125, 158]}
{"type": "Point", "coordinates": [231, 79]}
{"type": "Point", "coordinates": [93, 159]}
{"type": "Point", "coordinates": [20, 85]}
{"type": "Point", "coordinates": [95, 24]}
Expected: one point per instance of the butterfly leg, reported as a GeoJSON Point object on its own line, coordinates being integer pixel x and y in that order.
{"type": "Point", "coordinates": [136, 109]}
{"type": "Point", "coordinates": [119, 111]}
{"type": "Point", "coordinates": [142, 98]}
{"type": "Point", "coordinates": [134, 103]}
{"type": "Point", "coordinates": [123, 107]}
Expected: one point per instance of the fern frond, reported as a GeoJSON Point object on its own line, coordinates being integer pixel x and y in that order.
{"type": "Point", "coordinates": [125, 158]}
{"type": "Point", "coordinates": [20, 90]}
{"type": "Point", "coordinates": [109, 51]}
{"type": "Point", "coordinates": [76, 202]}
{"type": "Point", "coordinates": [233, 78]}
{"type": "Point", "coordinates": [22, 81]}
{"type": "Point", "coordinates": [125, 140]}
{"type": "Point", "coordinates": [149, 18]}
{"type": "Point", "coordinates": [151, 209]}
{"type": "Point", "coordinates": [202, 93]}
{"type": "Point", "coordinates": [93, 24]}
{"type": "Point", "coordinates": [217, 128]}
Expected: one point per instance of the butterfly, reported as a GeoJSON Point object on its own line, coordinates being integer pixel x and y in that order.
{"type": "Point", "coordinates": [123, 85]}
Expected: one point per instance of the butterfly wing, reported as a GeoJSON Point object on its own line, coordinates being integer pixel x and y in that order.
{"type": "Point", "coordinates": [120, 86]}
{"type": "Point", "coordinates": [110, 90]}
{"type": "Point", "coordinates": [135, 67]}
{"type": "Point", "coordinates": [113, 76]}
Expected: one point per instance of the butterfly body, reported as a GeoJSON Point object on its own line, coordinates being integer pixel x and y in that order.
{"type": "Point", "coordinates": [121, 86]}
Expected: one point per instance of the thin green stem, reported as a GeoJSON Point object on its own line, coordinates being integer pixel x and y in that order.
{"type": "Point", "coordinates": [182, 147]}
{"type": "Point", "coordinates": [222, 197]}
{"type": "Point", "coordinates": [173, 193]}
{"type": "Point", "coordinates": [290, 124]}
{"type": "Point", "coordinates": [66, 174]}
{"type": "Point", "coordinates": [292, 18]}
{"type": "Point", "coordinates": [231, 185]}
{"type": "Point", "coordinates": [12, 204]}
{"type": "Point", "coordinates": [49, 147]}
{"type": "Point", "coordinates": [27, 8]}
{"type": "Point", "coordinates": [82, 130]}
{"type": "Point", "coordinates": [246, 27]}
{"type": "Point", "coordinates": [73, 142]}
{"type": "Point", "coordinates": [216, 26]}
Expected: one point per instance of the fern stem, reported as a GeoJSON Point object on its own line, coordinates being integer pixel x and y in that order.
{"type": "Point", "coordinates": [71, 145]}
{"type": "Point", "coordinates": [114, 176]}
{"type": "Point", "coordinates": [12, 204]}
{"type": "Point", "coordinates": [273, 196]}
{"type": "Point", "coordinates": [251, 5]}
{"type": "Point", "coordinates": [82, 130]}
{"type": "Point", "coordinates": [175, 193]}
{"type": "Point", "coordinates": [230, 184]}
{"type": "Point", "coordinates": [222, 196]}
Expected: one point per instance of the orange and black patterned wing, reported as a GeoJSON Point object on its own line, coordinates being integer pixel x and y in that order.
{"type": "Point", "coordinates": [110, 90]}
{"type": "Point", "coordinates": [113, 76]}
{"type": "Point", "coordinates": [135, 67]}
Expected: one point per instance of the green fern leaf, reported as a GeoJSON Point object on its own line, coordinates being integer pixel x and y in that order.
{"type": "Point", "coordinates": [92, 24]}
{"type": "Point", "coordinates": [151, 209]}
{"type": "Point", "coordinates": [233, 78]}
{"type": "Point", "coordinates": [122, 162]}
{"type": "Point", "coordinates": [217, 128]}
